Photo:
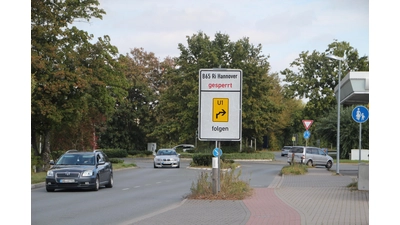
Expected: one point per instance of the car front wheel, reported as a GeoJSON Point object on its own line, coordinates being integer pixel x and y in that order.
{"type": "Point", "coordinates": [309, 163]}
{"type": "Point", "coordinates": [97, 184]}
{"type": "Point", "coordinates": [328, 165]}
{"type": "Point", "coordinates": [110, 182]}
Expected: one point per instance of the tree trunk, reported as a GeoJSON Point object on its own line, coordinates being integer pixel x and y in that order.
{"type": "Point", "coordinates": [34, 145]}
{"type": "Point", "coordinates": [46, 151]}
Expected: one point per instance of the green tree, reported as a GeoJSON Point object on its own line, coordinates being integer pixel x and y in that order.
{"type": "Point", "coordinates": [314, 76]}
{"type": "Point", "coordinates": [70, 73]}
{"type": "Point", "coordinates": [136, 116]}
{"type": "Point", "coordinates": [262, 98]}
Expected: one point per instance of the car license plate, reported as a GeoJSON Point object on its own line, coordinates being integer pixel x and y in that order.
{"type": "Point", "coordinates": [166, 163]}
{"type": "Point", "coordinates": [67, 181]}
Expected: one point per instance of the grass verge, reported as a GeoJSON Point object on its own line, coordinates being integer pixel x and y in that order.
{"type": "Point", "coordinates": [231, 187]}
{"type": "Point", "coordinates": [295, 169]}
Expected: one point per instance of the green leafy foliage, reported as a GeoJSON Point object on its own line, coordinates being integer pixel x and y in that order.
{"type": "Point", "coordinates": [202, 159]}
{"type": "Point", "coordinates": [69, 98]}
{"type": "Point", "coordinates": [115, 153]}
{"type": "Point", "coordinates": [314, 76]}
{"type": "Point", "coordinates": [326, 128]}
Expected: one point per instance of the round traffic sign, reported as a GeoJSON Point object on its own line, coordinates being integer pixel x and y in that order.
{"type": "Point", "coordinates": [360, 114]}
{"type": "Point", "coordinates": [306, 134]}
{"type": "Point", "coordinates": [217, 152]}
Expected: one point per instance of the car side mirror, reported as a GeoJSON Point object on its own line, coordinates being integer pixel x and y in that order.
{"type": "Point", "coordinates": [51, 162]}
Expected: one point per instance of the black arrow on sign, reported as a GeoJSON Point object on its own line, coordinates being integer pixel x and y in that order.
{"type": "Point", "coordinates": [223, 113]}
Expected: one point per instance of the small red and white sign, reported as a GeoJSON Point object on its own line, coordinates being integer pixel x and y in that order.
{"type": "Point", "coordinates": [307, 123]}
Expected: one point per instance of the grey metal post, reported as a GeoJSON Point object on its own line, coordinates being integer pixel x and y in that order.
{"type": "Point", "coordinates": [338, 120]}
{"type": "Point", "coordinates": [359, 147]}
{"type": "Point", "coordinates": [338, 111]}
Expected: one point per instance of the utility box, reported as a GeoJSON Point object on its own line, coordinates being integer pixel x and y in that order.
{"type": "Point", "coordinates": [152, 147]}
{"type": "Point", "coordinates": [355, 154]}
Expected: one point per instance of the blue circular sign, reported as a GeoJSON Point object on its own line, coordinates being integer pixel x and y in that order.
{"type": "Point", "coordinates": [306, 134]}
{"type": "Point", "coordinates": [360, 114]}
{"type": "Point", "coordinates": [217, 152]}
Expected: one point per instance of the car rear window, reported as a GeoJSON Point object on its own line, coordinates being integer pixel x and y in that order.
{"type": "Point", "coordinates": [296, 150]}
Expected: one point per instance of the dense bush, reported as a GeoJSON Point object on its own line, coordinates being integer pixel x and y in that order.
{"type": "Point", "coordinates": [248, 150]}
{"type": "Point", "coordinates": [190, 150]}
{"type": "Point", "coordinates": [140, 152]}
{"type": "Point", "coordinates": [115, 160]}
{"type": "Point", "coordinates": [202, 159]}
{"type": "Point", "coordinates": [115, 153]}
{"type": "Point", "coordinates": [36, 163]}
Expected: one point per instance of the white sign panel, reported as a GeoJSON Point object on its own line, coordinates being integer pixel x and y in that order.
{"type": "Point", "coordinates": [220, 104]}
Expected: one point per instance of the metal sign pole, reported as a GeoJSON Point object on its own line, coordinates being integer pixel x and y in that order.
{"type": "Point", "coordinates": [359, 147]}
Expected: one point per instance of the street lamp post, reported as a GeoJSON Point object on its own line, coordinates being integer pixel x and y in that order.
{"type": "Point", "coordinates": [338, 111]}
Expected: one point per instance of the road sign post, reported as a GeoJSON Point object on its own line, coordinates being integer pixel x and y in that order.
{"type": "Point", "coordinates": [360, 114]}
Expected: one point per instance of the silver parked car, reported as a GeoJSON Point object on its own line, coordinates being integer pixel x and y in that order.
{"type": "Point", "coordinates": [285, 150]}
{"type": "Point", "coordinates": [312, 156]}
{"type": "Point", "coordinates": [167, 157]}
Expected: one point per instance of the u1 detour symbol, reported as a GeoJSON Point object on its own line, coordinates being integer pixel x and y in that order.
{"type": "Point", "coordinates": [220, 109]}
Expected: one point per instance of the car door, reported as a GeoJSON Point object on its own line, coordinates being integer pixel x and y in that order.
{"type": "Point", "coordinates": [101, 171]}
{"type": "Point", "coordinates": [317, 157]}
{"type": "Point", "coordinates": [322, 155]}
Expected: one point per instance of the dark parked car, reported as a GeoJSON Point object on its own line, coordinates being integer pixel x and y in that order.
{"type": "Point", "coordinates": [80, 170]}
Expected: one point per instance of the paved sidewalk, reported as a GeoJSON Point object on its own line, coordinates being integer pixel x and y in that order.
{"type": "Point", "coordinates": [318, 198]}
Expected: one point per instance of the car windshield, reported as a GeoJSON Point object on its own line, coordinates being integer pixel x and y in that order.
{"type": "Point", "coordinates": [75, 159]}
{"type": "Point", "coordinates": [166, 152]}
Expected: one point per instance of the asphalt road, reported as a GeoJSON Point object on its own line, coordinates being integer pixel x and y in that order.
{"type": "Point", "coordinates": [139, 192]}
{"type": "Point", "coordinates": [136, 193]}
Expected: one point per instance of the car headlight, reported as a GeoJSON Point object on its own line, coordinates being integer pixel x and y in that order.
{"type": "Point", "coordinates": [87, 173]}
{"type": "Point", "coordinates": [50, 173]}
{"type": "Point", "coordinates": [158, 159]}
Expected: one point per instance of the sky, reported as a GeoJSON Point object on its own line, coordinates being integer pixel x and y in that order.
{"type": "Point", "coordinates": [283, 28]}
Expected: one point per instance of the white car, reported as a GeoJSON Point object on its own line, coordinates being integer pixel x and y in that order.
{"type": "Point", "coordinates": [167, 157]}
{"type": "Point", "coordinates": [183, 147]}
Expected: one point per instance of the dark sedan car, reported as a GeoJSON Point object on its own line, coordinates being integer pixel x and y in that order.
{"type": "Point", "coordinates": [80, 170]}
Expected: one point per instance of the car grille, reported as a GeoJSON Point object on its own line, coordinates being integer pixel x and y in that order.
{"type": "Point", "coordinates": [67, 174]}
{"type": "Point", "coordinates": [166, 159]}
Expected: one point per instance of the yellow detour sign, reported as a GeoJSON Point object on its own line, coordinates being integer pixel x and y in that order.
{"type": "Point", "coordinates": [220, 110]}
